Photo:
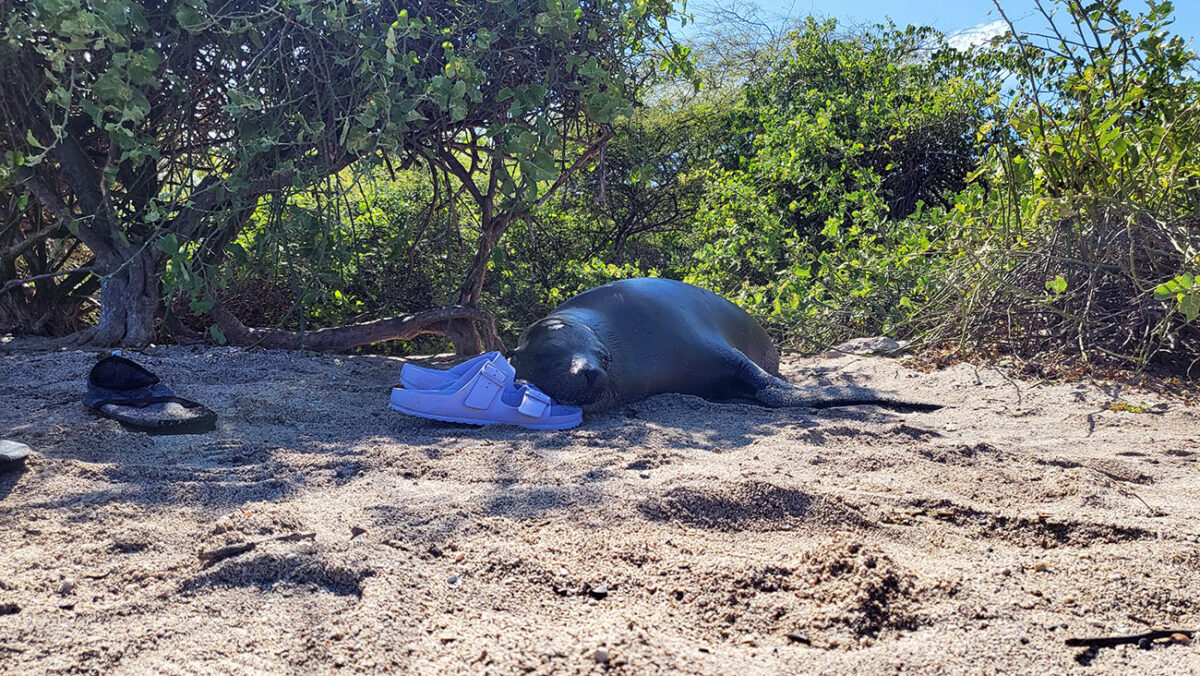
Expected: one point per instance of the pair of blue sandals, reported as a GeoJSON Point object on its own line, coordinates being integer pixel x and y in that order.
{"type": "Point", "coordinates": [480, 391]}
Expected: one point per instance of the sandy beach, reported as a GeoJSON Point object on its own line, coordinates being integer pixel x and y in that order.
{"type": "Point", "coordinates": [672, 535]}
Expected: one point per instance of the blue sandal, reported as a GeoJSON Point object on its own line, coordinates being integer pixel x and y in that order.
{"type": "Point", "coordinates": [414, 377]}
{"type": "Point", "coordinates": [487, 395]}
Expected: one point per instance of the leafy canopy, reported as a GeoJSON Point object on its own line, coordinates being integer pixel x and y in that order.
{"type": "Point", "coordinates": [156, 126]}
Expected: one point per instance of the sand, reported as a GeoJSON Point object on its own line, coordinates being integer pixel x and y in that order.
{"type": "Point", "coordinates": [672, 535]}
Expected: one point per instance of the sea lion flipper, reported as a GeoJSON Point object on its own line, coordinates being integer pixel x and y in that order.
{"type": "Point", "coordinates": [776, 392]}
{"type": "Point", "coordinates": [786, 395]}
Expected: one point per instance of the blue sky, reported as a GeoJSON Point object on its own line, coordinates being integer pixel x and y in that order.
{"type": "Point", "coordinates": [949, 16]}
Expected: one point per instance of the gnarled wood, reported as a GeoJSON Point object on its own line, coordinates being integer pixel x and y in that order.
{"type": "Point", "coordinates": [447, 321]}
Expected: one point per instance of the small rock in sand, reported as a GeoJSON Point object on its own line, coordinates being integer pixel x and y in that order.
{"type": "Point", "coordinates": [601, 656]}
{"type": "Point", "coordinates": [12, 454]}
{"type": "Point", "coordinates": [876, 345]}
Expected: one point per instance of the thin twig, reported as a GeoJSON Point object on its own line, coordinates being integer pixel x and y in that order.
{"type": "Point", "coordinates": [211, 556]}
{"type": "Point", "coordinates": [1110, 641]}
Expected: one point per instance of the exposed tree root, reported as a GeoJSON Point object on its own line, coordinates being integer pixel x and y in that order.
{"type": "Point", "coordinates": [180, 331]}
{"type": "Point", "coordinates": [466, 326]}
{"type": "Point", "coordinates": [77, 340]}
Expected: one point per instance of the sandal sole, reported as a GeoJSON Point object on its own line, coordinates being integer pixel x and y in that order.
{"type": "Point", "coordinates": [483, 423]}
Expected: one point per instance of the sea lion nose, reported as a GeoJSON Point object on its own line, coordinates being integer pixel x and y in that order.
{"type": "Point", "coordinates": [590, 370]}
{"type": "Point", "coordinates": [592, 375]}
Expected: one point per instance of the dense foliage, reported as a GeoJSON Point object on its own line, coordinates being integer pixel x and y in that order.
{"type": "Point", "coordinates": [1092, 240]}
{"type": "Point", "coordinates": [1033, 196]}
{"type": "Point", "coordinates": [844, 160]}
{"type": "Point", "coordinates": [150, 131]}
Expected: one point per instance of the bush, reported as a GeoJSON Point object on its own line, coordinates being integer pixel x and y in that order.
{"type": "Point", "coordinates": [1093, 243]}
{"type": "Point", "coordinates": [857, 147]}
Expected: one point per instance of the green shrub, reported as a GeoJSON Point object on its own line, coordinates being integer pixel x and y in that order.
{"type": "Point", "coordinates": [858, 145]}
{"type": "Point", "coordinates": [1093, 242]}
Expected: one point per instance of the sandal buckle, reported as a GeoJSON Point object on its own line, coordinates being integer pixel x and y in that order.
{"type": "Point", "coordinates": [489, 384]}
{"type": "Point", "coordinates": [493, 374]}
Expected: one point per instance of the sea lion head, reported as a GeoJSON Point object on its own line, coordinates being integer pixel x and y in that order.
{"type": "Point", "coordinates": [565, 359]}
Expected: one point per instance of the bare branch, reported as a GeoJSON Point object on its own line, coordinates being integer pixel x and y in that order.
{"type": "Point", "coordinates": [49, 275]}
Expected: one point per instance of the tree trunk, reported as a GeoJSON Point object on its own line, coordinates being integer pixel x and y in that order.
{"type": "Point", "coordinates": [129, 300]}
{"type": "Point", "coordinates": [471, 291]}
{"type": "Point", "coordinates": [463, 334]}
{"type": "Point", "coordinates": [464, 337]}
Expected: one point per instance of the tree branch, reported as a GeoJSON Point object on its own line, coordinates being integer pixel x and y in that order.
{"type": "Point", "coordinates": [402, 327]}
{"type": "Point", "coordinates": [448, 162]}
{"type": "Point", "coordinates": [61, 273]}
{"type": "Point", "coordinates": [579, 162]}
{"type": "Point", "coordinates": [28, 243]}
{"type": "Point", "coordinates": [54, 203]}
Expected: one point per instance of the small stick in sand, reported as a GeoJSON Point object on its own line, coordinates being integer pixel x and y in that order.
{"type": "Point", "coordinates": [211, 556]}
{"type": "Point", "coordinates": [1140, 620]}
{"type": "Point", "coordinates": [221, 553]}
{"type": "Point", "coordinates": [1109, 641]}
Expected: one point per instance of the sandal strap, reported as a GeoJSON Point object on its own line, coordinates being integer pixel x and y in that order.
{"type": "Point", "coordinates": [487, 386]}
{"type": "Point", "coordinates": [535, 402]}
{"type": "Point", "coordinates": [147, 401]}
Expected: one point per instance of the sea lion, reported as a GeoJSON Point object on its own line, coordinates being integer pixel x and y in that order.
{"type": "Point", "coordinates": [633, 338]}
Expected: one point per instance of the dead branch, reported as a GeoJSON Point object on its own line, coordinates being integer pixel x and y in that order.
{"type": "Point", "coordinates": [403, 327]}
{"type": "Point", "coordinates": [25, 280]}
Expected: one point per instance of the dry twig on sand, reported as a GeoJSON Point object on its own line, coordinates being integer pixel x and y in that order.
{"type": "Point", "coordinates": [1110, 641]}
{"type": "Point", "coordinates": [211, 556]}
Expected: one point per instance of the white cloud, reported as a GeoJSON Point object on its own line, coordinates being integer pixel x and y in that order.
{"type": "Point", "coordinates": [978, 35]}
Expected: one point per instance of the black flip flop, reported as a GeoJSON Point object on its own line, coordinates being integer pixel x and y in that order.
{"type": "Point", "coordinates": [135, 397]}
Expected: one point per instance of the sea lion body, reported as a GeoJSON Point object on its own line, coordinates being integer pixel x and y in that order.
{"type": "Point", "coordinates": [633, 338]}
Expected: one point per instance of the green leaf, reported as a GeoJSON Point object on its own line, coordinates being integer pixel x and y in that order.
{"type": "Point", "coordinates": [1180, 285]}
{"type": "Point", "coordinates": [217, 335]}
{"type": "Point", "coordinates": [168, 244]}
{"type": "Point", "coordinates": [1056, 285]}
{"type": "Point", "coordinates": [1120, 147]}
{"type": "Point", "coordinates": [189, 19]}
{"type": "Point", "coordinates": [1189, 305]}
{"type": "Point", "coordinates": [201, 305]}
